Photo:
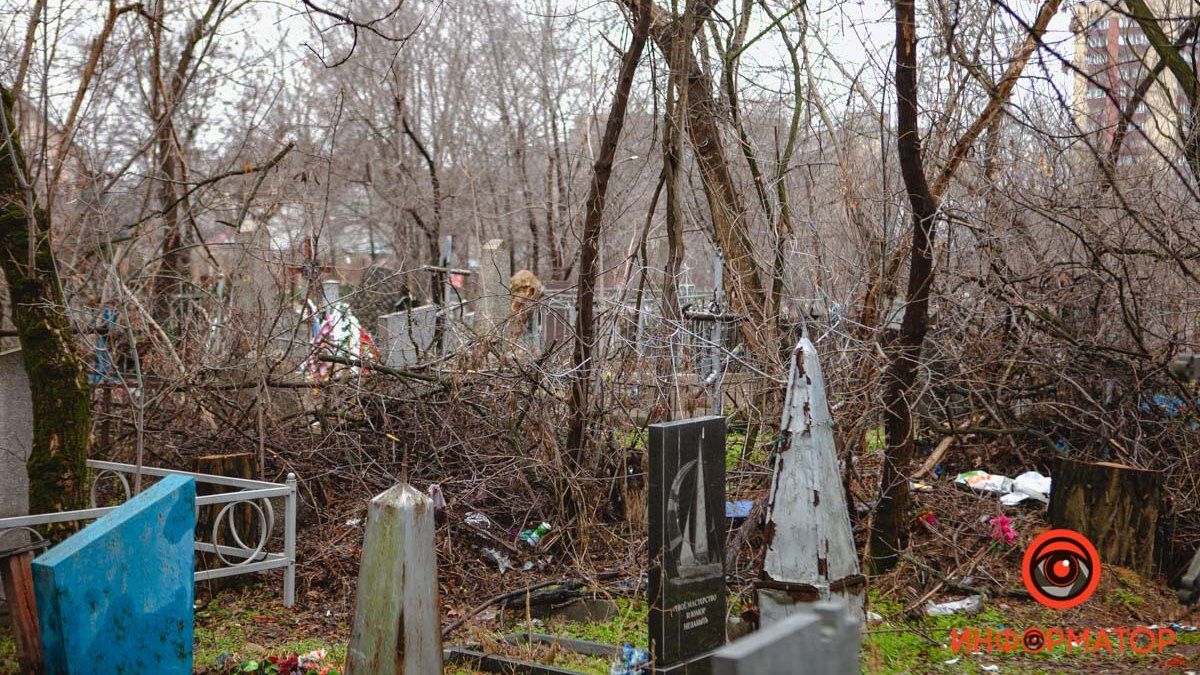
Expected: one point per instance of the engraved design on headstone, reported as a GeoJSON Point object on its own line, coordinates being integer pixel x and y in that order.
{"type": "Point", "coordinates": [687, 580]}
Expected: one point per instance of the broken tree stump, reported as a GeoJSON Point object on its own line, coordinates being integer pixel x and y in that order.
{"type": "Point", "coordinates": [1113, 505]}
{"type": "Point", "coordinates": [240, 465]}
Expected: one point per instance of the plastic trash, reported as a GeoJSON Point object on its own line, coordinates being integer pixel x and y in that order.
{"type": "Point", "coordinates": [435, 493]}
{"type": "Point", "coordinates": [985, 482]}
{"type": "Point", "coordinates": [1029, 485]}
{"type": "Point", "coordinates": [534, 536]}
{"type": "Point", "coordinates": [630, 662]}
{"type": "Point", "coordinates": [873, 618]}
{"type": "Point", "coordinates": [969, 605]}
{"type": "Point", "coordinates": [476, 519]}
{"type": "Point", "coordinates": [503, 562]}
{"type": "Point", "coordinates": [738, 510]}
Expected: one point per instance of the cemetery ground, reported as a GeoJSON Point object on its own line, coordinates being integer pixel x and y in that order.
{"type": "Point", "coordinates": [599, 593]}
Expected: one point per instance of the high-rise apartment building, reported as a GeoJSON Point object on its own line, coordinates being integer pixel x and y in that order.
{"type": "Point", "coordinates": [1112, 58]}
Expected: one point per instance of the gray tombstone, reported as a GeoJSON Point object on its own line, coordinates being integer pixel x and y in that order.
{"type": "Point", "coordinates": [495, 271]}
{"type": "Point", "coordinates": [819, 640]}
{"type": "Point", "coordinates": [16, 435]}
{"type": "Point", "coordinates": [407, 335]}
{"type": "Point", "coordinates": [687, 543]}
{"type": "Point", "coordinates": [810, 553]}
{"type": "Point", "coordinates": [396, 626]}
{"type": "Point", "coordinates": [254, 295]}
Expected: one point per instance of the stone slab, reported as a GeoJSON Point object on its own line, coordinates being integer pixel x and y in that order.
{"type": "Point", "coordinates": [823, 637]}
{"type": "Point", "coordinates": [687, 540]}
{"type": "Point", "coordinates": [117, 596]}
{"type": "Point", "coordinates": [16, 437]}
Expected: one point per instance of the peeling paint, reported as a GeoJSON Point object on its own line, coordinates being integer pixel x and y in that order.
{"type": "Point", "coordinates": [809, 536]}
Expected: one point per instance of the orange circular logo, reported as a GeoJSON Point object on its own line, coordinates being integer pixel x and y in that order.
{"type": "Point", "coordinates": [1061, 568]}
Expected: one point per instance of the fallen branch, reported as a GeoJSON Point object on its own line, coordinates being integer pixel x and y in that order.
{"type": "Point", "coordinates": [566, 583]}
{"type": "Point", "coordinates": [398, 373]}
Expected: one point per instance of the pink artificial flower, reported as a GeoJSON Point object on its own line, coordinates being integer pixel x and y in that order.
{"type": "Point", "coordinates": [1002, 530]}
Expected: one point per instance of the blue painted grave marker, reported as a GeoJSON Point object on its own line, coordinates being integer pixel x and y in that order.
{"type": "Point", "coordinates": [117, 597]}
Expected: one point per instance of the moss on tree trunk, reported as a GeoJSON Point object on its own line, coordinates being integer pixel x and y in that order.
{"type": "Point", "coordinates": [58, 385]}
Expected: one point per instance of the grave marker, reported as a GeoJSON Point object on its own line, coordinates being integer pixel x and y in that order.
{"type": "Point", "coordinates": [810, 552]}
{"type": "Point", "coordinates": [408, 334]}
{"type": "Point", "coordinates": [117, 596]}
{"type": "Point", "coordinates": [687, 543]}
{"type": "Point", "coordinates": [495, 270]}
{"type": "Point", "coordinates": [820, 640]}
{"type": "Point", "coordinates": [396, 626]}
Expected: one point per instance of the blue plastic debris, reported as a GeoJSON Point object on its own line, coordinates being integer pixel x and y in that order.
{"type": "Point", "coordinates": [739, 510]}
{"type": "Point", "coordinates": [631, 661]}
{"type": "Point", "coordinates": [1171, 406]}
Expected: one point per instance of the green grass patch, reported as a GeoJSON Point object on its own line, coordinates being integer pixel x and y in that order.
{"type": "Point", "coordinates": [225, 629]}
{"type": "Point", "coordinates": [627, 625]}
{"type": "Point", "coordinates": [876, 439]}
{"type": "Point", "coordinates": [8, 651]}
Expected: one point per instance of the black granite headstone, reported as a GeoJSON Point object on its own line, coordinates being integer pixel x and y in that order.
{"type": "Point", "coordinates": [687, 542]}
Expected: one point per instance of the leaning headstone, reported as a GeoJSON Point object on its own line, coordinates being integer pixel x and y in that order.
{"type": "Point", "coordinates": [396, 626]}
{"type": "Point", "coordinates": [495, 270]}
{"type": "Point", "coordinates": [16, 436]}
{"type": "Point", "coordinates": [810, 547]}
{"type": "Point", "coordinates": [117, 597]}
{"type": "Point", "coordinates": [819, 640]}
{"type": "Point", "coordinates": [687, 542]}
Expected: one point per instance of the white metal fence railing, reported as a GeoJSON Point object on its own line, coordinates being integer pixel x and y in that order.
{"type": "Point", "coordinates": [240, 558]}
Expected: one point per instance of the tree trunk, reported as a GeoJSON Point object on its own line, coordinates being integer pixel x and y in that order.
{"type": "Point", "coordinates": [1114, 506]}
{"type": "Point", "coordinates": [585, 328]}
{"type": "Point", "coordinates": [240, 465]}
{"type": "Point", "coordinates": [891, 514]}
{"type": "Point", "coordinates": [58, 385]}
{"type": "Point", "coordinates": [889, 528]}
{"type": "Point", "coordinates": [730, 218]}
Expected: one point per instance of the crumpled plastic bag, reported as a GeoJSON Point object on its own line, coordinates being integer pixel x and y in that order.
{"type": "Point", "coordinates": [968, 605]}
{"type": "Point", "coordinates": [1029, 485]}
{"type": "Point", "coordinates": [985, 482]}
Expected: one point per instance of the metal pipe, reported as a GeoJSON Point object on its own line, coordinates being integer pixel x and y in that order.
{"type": "Point", "coordinates": [289, 544]}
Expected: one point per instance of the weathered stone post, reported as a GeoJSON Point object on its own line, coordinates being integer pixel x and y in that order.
{"type": "Point", "coordinates": [494, 274]}
{"type": "Point", "coordinates": [396, 627]}
{"type": "Point", "coordinates": [810, 547]}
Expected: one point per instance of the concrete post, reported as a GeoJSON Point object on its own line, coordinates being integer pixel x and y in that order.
{"type": "Point", "coordinates": [495, 271]}
{"type": "Point", "coordinates": [823, 638]}
{"type": "Point", "coordinates": [396, 628]}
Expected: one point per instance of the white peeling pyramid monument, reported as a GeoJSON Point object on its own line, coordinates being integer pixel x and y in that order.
{"type": "Point", "coordinates": [811, 554]}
